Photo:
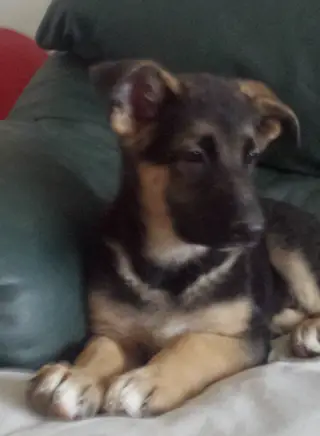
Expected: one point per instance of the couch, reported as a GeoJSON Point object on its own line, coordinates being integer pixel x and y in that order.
{"type": "Point", "coordinates": [60, 167]}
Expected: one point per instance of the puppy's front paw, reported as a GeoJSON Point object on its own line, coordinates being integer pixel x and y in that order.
{"type": "Point", "coordinates": [64, 392]}
{"type": "Point", "coordinates": [143, 392]}
{"type": "Point", "coordinates": [306, 338]}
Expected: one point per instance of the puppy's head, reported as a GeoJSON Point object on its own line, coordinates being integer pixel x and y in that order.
{"type": "Point", "coordinates": [199, 136]}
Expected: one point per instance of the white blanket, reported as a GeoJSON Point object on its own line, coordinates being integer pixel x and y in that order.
{"type": "Point", "coordinates": [278, 399]}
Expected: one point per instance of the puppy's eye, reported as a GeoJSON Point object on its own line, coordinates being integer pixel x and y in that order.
{"type": "Point", "coordinates": [191, 163]}
{"type": "Point", "coordinates": [250, 152]}
{"type": "Point", "coordinates": [193, 156]}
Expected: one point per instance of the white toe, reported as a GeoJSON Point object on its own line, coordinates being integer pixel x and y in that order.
{"type": "Point", "coordinates": [132, 400]}
{"type": "Point", "coordinates": [127, 394]}
{"type": "Point", "coordinates": [67, 397]}
{"type": "Point", "coordinates": [310, 340]}
{"type": "Point", "coordinates": [51, 381]}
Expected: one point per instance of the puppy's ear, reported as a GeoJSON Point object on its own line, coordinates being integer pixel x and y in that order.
{"type": "Point", "coordinates": [136, 90]}
{"type": "Point", "coordinates": [275, 115]}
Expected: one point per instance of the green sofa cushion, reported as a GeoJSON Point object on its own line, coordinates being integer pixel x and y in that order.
{"type": "Point", "coordinates": [300, 190]}
{"type": "Point", "coordinates": [276, 41]}
{"type": "Point", "coordinates": [68, 112]}
{"type": "Point", "coordinates": [41, 310]}
{"type": "Point", "coordinates": [60, 168]}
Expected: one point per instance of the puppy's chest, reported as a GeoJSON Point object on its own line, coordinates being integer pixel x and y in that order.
{"type": "Point", "coordinates": [155, 327]}
{"type": "Point", "coordinates": [163, 313]}
{"type": "Point", "coordinates": [189, 286]}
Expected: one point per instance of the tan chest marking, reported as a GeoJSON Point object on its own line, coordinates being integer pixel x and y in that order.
{"type": "Point", "coordinates": [229, 319]}
{"type": "Point", "coordinates": [156, 328]}
{"type": "Point", "coordinates": [125, 270]}
{"type": "Point", "coordinates": [159, 297]}
{"type": "Point", "coordinates": [214, 277]}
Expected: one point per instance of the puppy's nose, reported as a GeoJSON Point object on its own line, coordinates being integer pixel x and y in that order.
{"type": "Point", "coordinates": [247, 233]}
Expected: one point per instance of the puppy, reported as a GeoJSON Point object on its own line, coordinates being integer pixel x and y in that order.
{"type": "Point", "coordinates": [195, 274]}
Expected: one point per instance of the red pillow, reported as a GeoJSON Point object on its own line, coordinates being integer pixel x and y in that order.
{"type": "Point", "coordinates": [20, 58]}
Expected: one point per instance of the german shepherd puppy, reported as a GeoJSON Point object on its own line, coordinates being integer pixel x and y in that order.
{"type": "Point", "coordinates": [196, 273]}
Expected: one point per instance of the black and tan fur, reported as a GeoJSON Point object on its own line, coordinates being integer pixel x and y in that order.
{"type": "Point", "coordinates": [195, 274]}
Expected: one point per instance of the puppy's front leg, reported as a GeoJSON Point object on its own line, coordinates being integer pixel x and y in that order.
{"type": "Point", "coordinates": [73, 392]}
{"type": "Point", "coordinates": [178, 373]}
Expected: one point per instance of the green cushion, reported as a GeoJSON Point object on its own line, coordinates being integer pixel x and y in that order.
{"type": "Point", "coordinates": [276, 41]}
{"type": "Point", "coordinates": [68, 113]}
{"type": "Point", "coordinates": [59, 169]}
{"type": "Point", "coordinates": [40, 281]}
{"type": "Point", "coordinates": [300, 190]}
